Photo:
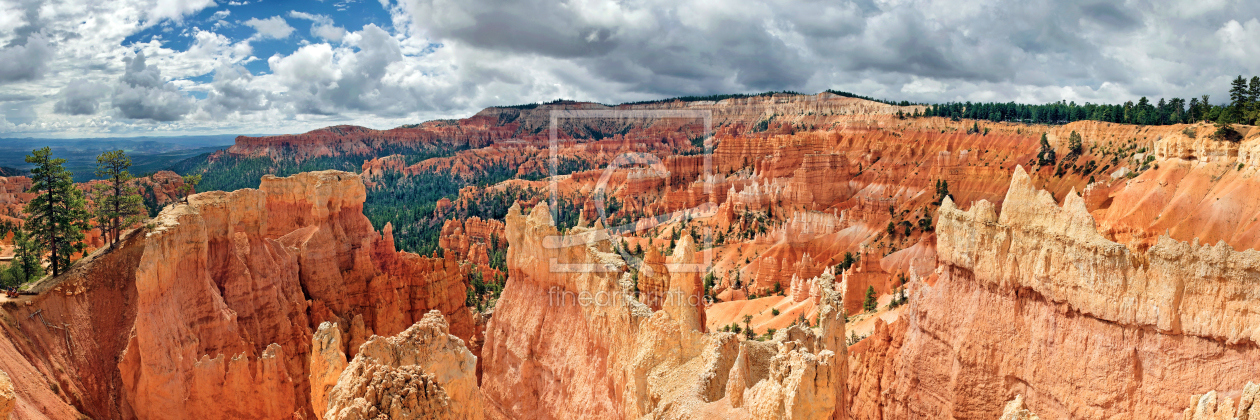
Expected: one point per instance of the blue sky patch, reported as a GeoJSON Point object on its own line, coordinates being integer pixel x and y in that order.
{"type": "Point", "coordinates": [230, 20]}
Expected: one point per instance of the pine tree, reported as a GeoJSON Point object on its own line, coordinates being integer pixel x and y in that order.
{"type": "Point", "coordinates": [190, 186]}
{"type": "Point", "coordinates": [1046, 156]}
{"type": "Point", "coordinates": [942, 191]}
{"type": "Point", "coordinates": [1238, 95]}
{"type": "Point", "coordinates": [1074, 143]}
{"type": "Point", "coordinates": [845, 263]}
{"type": "Point", "coordinates": [925, 223]}
{"type": "Point", "coordinates": [57, 217]}
{"type": "Point", "coordinates": [1204, 106]}
{"type": "Point", "coordinates": [1253, 101]}
{"type": "Point", "coordinates": [870, 303]}
{"type": "Point", "coordinates": [1253, 89]}
{"type": "Point", "coordinates": [117, 203]}
{"type": "Point", "coordinates": [25, 265]}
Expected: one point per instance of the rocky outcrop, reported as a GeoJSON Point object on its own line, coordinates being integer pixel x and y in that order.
{"type": "Point", "coordinates": [865, 275]}
{"type": "Point", "coordinates": [7, 398]}
{"type": "Point", "coordinates": [874, 363]}
{"type": "Point", "coordinates": [1030, 298]}
{"type": "Point", "coordinates": [1016, 410]}
{"type": "Point", "coordinates": [231, 285]}
{"type": "Point", "coordinates": [346, 139]}
{"type": "Point", "coordinates": [13, 198]}
{"type": "Point", "coordinates": [1184, 200]}
{"type": "Point", "coordinates": [201, 340]}
{"type": "Point", "coordinates": [514, 125]}
{"type": "Point", "coordinates": [422, 373]}
{"type": "Point", "coordinates": [1058, 253]}
{"type": "Point", "coordinates": [209, 311]}
{"type": "Point", "coordinates": [569, 340]}
{"type": "Point", "coordinates": [328, 360]}
{"type": "Point", "coordinates": [472, 239]}
{"type": "Point", "coordinates": [1036, 302]}
{"type": "Point", "coordinates": [62, 350]}
{"type": "Point", "coordinates": [1213, 406]}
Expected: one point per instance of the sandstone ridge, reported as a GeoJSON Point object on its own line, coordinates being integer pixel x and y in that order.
{"type": "Point", "coordinates": [1057, 252]}
{"type": "Point", "coordinates": [422, 373]}
{"type": "Point", "coordinates": [1036, 302]}
{"type": "Point", "coordinates": [614, 357]}
{"type": "Point", "coordinates": [217, 300]}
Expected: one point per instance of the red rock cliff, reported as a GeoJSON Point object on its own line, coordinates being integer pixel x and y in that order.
{"type": "Point", "coordinates": [219, 299]}
{"type": "Point", "coordinates": [1036, 302]}
{"type": "Point", "coordinates": [577, 344]}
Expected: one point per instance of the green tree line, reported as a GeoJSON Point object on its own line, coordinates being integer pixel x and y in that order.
{"type": "Point", "coordinates": [1243, 108]}
{"type": "Point", "coordinates": [52, 232]}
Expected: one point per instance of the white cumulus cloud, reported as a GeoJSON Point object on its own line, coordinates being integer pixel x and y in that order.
{"type": "Point", "coordinates": [272, 27]}
{"type": "Point", "coordinates": [80, 97]}
{"type": "Point", "coordinates": [321, 25]}
{"type": "Point", "coordinates": [143, 94]}
{"type": "Point", "coordinates": [27, 61]}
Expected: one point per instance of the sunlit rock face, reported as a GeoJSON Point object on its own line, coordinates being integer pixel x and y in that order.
{"type": "Point", "coordinates": [216, 300]}
{"type": "Point", "coordinates": [578, 344]}
{"type": "Point", "coordinates": [1025, 297]}
{"type": "Point", "coordinates": [234, 283]}
{"type": "Point", "coordinates": [421, 373]}
{"type": "Point", "coordinates": [1034, 301]}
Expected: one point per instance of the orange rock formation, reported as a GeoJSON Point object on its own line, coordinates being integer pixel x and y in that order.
{"type": "Point", "coordinates": [422, 373]}
{"type": "Point", "coordinates": [1073, 290]}
{"type": "Point", "coordinates": [218, 302]}
{"type": "Point", "coordinates": [1129, 333]}
{"type": "Point", "coordinates": [579, 344]}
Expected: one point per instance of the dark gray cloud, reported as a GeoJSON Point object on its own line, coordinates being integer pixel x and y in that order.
{"type": "Point", "coordinates": [1110, 15]}
{"type": "Point", "coordinates": [679, 48]}
{"type": "Point", "coordinates": [15, 97]}
{"type": "Point", "coordinates": [19, 112]}
{"type": "Point", "coordinates": [444, 58]}
{"type": "Point", "coordinates": [233, 94]}
{"type": "Point", "coordinates": [142, 93]}
{"type": "Point", "coordinates": [975, 48]}
{"type": "Point", "coordinates": [26, 54]}
{"type": "Point", "coordinates": [80, 97]}
{"type": "Point", "coordinates": [27, 61]}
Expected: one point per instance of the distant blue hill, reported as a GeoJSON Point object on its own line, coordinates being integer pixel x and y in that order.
{"type": "Point", "coordinates": [148, 154]}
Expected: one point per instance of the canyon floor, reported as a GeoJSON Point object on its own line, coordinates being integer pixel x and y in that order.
{"type": "Point", "coordinates": [804, 257]}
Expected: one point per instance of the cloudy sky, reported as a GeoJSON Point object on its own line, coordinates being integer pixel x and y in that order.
{"type": "Point", "coordinates": [86, 68]}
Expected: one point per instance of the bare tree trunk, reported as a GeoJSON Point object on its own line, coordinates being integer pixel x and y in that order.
{"type": "Point", "coordinates": [52, 236]}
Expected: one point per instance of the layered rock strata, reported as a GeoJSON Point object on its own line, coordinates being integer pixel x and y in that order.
{"type": "Point", "coordinates": [1214, 406]}
{"type": "Point", "coordinates": [569, 340]}
{"type": "Point", "coordinates": [422, 373]}
{"type": "Point", "coordinates": [1036, 302]}
{"type": "Point", "coordinates": [1016, 410]}
{"type": "Point", "coordinates": [209, 311]}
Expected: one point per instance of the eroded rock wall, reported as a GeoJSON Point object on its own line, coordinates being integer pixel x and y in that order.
{"type": "Point", "coordinates": [1175, 287]}
{"type": "Point", "coordinates": [422, 373]}
{"type": "Point", "coordinates": [231, 286]}
{"type": "Point", "coordinates": [209, 311]}
{"type": "Point", "coordinates": [569, 340]}
{"type": "Point", "coordinates": [1036, 302]}
{"type": "Point", "coordinates": [1222, 406]}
